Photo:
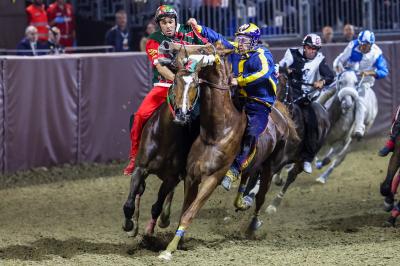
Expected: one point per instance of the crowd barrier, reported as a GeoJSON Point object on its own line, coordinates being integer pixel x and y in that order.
{"type": "Point", "coordinates": [76, 108]}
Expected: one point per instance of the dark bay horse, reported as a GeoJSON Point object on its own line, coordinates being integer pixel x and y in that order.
{"type": "Point", "coordinates": [294, 154]}
{"type": "Point", "coordinates": [221, 129]}
{"type": "Point", "coordinates": [163, 150]}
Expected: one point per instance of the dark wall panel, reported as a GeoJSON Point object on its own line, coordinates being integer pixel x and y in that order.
{"type": "Point", "coordinates": [112, 88]}
{"type": "Point", "coordinates": [41, 119]}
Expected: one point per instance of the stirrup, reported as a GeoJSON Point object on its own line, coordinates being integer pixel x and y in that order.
{"type": "Point", "coordinates": [231, 176]}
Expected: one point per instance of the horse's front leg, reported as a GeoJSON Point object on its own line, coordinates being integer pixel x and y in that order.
{"type": "Point", "coordinates": [265, 184]}
{"type": "Point", "coordinates": [136, 188]}
{"type": "Point", "coordinates": [326, 159]}
{"type": "Point", "coordinates": [296, 169]}
{"type": "Point", "coordinates": [338, 160]}
{"type": "Point", "coordinates": [207, 187]}
{"type": "Point", "coordinates": [393, 166]}
{"type": "Point", "coordinates": [164, 220]}
{"type": "Point", "coordinates": [167, 186]}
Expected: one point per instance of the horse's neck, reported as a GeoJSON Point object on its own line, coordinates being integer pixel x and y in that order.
{"type": "Point", "coordinates": [217, 113]}
{"type": "Point", "coordinates": [334, 109]}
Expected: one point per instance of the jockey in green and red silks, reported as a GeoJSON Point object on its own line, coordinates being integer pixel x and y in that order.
{"type": "Point", "coordinates": [170, 30]}
{"type": "Point", "coordinates": [254, 73]}
{"type": "Point", "coordinates": [394, 132]}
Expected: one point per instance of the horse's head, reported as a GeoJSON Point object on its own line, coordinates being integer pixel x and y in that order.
{"type": "Point", "coordinates": [347, 87]}
{"type": "Point", "coordinates": [190, 60]}
{"type": "Point", "coordinates": [283, 90]}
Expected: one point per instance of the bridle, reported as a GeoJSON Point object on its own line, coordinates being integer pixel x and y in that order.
{"type": "Point", "coordinates": [196, 80]}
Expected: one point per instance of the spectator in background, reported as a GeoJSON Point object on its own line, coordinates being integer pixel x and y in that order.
{"type": "Point", "coordinates": [61, 15]}
{"type": "Point", "coordinates": [29, 45]}
{"type": "Point", "coordinates": [327, 34]}
{"type": "Point", "coordinates": [151, 27]}
{"type": "Point", "coordinates": [348, 33]}
{"type": "Point", "coordinates": [37, 17]}
{"type": "Point", "coordinates": [118, 36]}
{"type": "Point", "coordinates": [54, 41]}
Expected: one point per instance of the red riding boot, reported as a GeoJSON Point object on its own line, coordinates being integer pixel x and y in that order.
{"type": "Point", "coordinates": [130, 167]}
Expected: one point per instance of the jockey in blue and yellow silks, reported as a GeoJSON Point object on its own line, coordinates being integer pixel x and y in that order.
{"type": "Point", "coordinates": [254, 72]}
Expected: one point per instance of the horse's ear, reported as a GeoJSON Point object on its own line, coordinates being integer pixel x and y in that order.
{"type": "Point", "coordinates": [199, 65]}
{"type": "Point", "coordinates": [226, 52]}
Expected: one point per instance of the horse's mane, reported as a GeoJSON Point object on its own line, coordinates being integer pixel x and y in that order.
{"type": "Point", "coordinates": [281, 107]}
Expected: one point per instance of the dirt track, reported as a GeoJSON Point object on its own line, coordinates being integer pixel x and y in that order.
{"type": "Point", "coordinates": [78, 221]}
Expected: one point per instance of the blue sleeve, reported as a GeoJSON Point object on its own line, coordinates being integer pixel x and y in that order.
{"type": "Point", "coordinates": [264, 67]}
{"type": "Point", "coordinates": [381, 67]}
{"type": "Point", "coordinates": [213, 36]}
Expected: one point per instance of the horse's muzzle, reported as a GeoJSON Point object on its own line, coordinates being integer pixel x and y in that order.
{"type": "Point", "coordinates": [347, 103]}
{"type": "Point", "coordinates": [181, 118]}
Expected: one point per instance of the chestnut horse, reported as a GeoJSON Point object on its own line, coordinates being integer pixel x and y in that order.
{"type": "Point", "coordinates": [163, 150]}
{"type": "Point", "coordinates": [205, 76]}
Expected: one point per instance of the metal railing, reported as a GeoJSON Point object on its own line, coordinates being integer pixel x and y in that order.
{"type": "Point", "coordinates": [67, 50]}
{"type": "Point", "coordinates": [276, 18]}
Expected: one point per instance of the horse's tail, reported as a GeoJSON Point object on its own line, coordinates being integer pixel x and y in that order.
{"type": "Point", "coordinates": [291, 125]}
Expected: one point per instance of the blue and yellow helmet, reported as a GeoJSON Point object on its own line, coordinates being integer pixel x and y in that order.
{"type": "Point", "coordinates": [250, 30]}
{"type": "Point", "coordinates": [366, 37]}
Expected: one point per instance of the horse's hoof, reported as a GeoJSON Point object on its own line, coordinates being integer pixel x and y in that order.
{"type": "Point", "coordinates": [255, 224]}
{"type": "Point", "coordinates": [321, 180]}
{"type": "Point", "coordinates": [387, 206]}
{"type": "Point", "coordinates": [386, 189]}
{"type": "Point", "coordinates": [277, 180]}
{"type": "Point", "coordinates": [163, 224]}
{"type": "Point", "coordinates": [271, 209]}
{"type": "Point", "coordinates": [390, 222]}
{"type": "Point", "coordinates": [318, 164]}
{"type": "Point", "coordinates": [128, 225]}
{"type": "Point", "coordinates": [165, 255]}
{"type": "Point", "coordinates": [130, 228]}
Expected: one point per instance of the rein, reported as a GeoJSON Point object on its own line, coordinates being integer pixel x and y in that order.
{"type": "Point", "coordinates": [215, 86]}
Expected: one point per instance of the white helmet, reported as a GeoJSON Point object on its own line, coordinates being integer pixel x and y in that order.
{"type": "Point", "coordinates": [312, 40]}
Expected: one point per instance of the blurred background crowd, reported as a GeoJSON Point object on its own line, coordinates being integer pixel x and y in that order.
{"type": "Point", "coordinates": [38, 27]}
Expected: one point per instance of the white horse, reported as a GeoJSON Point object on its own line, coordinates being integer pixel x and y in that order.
{"type": "Point", "coordinates": [342, 108]}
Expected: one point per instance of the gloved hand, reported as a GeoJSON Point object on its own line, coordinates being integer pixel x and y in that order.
{"type": "Point", "coordinates": [319, 84]}
{"type": "Point", "coordinates": [59, 20]}
{"type": "Point", "coordinates": [339, 68]}
{"type": "Point", "coordinates": [368, 73]}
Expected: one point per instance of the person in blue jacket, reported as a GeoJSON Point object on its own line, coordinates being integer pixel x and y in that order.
{"type": "Point", "coordinates": [254, 73]}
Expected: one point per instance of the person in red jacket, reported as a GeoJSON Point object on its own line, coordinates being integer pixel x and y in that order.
{"type": "Point", "coordinates": [61, 15]}
{"type": "Point", "coordinates": [37, 17]}
{"type": "Point", "coordinates": [170, 30]}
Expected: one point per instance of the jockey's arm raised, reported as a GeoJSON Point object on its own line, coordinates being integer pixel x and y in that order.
{"type": "Point", "coordinates": [342, 58]}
